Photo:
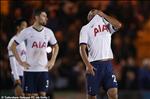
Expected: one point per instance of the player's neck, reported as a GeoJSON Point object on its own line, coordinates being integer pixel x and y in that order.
{"type": "Point", "coordinates": [18, 31]}
{"type": "Point", "coordinates": [37, 26]}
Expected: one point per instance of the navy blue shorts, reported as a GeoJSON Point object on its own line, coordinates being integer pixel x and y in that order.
{"type": "Point", "coordinates": [22, 82]}
{"type": "Point", "coordinates": [35, 82]}
{"type": "Point", "coordinates": [104, 77]}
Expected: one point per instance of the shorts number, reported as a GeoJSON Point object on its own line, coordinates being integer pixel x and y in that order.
{"type": "Point", "coordinates": [114, 77]}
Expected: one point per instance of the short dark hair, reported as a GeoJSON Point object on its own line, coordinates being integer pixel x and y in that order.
{"type": "Point", "coordinates": [19, 21]}
{"type": "Point", "coordinates": [91, 14]}
{"type": "Point", "coordinates": [38, 11]}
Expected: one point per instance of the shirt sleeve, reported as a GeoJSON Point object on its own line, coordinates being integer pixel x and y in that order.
{"type": "Point", "coordinates": [111, 28]}
{"type": "Point", "coordinates": [83, 38]}
{"type": "Point", "coordinates": [52, 39]}
{"type": "Point", "coordinates": [13, 67]}
{"type": "Point", "coordinates": [10, 43]}
{"type": "Point", "coordinates": [22, 36]}
{"type": "Point", "coordinates": [13, 64]}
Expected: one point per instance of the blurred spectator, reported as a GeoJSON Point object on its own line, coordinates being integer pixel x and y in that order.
{"type": "Point", "coordinates": [128, 48]}
{"type": "Point", "coordinates": [5, 76]}
{"type": "Point", "coordinates": [117, 47]}
{"type": "Point", "coordinates": [144, 75]}
{"type": "Point", "coordinates": [129, 75]}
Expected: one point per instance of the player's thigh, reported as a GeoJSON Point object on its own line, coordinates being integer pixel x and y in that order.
{"type": "Point", "coordinates": [42, 94]}
{"type": "Point", "coordinates": [91, 97]}
{"type": "Point", "coordinates": [22, 80]}
{"type": "Point", "coordinates": [112, 93]}
{"type": "Point", "coordinates": [109, 80]}
{"type": "Point", "coordinates": [29, 83]}
{"type": "Point", "coordinates": [93, 82]}
{"type": "Point", "coordinates": [33, 95]}
{"type": "Point", "coordinates": [43, 82]}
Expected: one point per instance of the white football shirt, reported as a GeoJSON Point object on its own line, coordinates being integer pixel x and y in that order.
{"type": "Point", "coordinates": [97, 35]}
{"type": "Point", "coordinates": [17, 69]}
{"type": "Point", "coordinates": [36, 46]}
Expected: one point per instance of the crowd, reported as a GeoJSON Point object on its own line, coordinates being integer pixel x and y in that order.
{"type": "Point", "coordinates": [66, 18]}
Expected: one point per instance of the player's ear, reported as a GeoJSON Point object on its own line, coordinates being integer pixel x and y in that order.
{"type": "Point", "coordinates": [17, 27]}
{"type": "Point", "coordinates": [88, 18]}
{"type": "Point", "coordinates": [36, 17]}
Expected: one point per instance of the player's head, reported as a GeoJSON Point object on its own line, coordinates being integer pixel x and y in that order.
{"type": "Point", "coordinates": [92, 13]}
{"type": "Point", "coordinates": [41, 16]}
{"type": "Point", "coordinates": [21, 24]}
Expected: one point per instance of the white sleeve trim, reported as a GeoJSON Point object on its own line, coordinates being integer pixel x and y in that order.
{"type": "Point", "coordinates": [13, 67]}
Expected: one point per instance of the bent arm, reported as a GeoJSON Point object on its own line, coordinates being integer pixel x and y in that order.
{"type": "Point", "coordinates": [115, 23]}
{"type": "Point", "coordinates": [55, 49]}
{"type": "Point", "coordinates": [84, 54]}
{"type": "Point", "coordinates": [15, 53]}
{"type": "Point", "coordinates": [13, 67]}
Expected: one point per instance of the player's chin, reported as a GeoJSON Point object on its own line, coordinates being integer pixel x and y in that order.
{"type": "Point", "coordinates": [44, 23]}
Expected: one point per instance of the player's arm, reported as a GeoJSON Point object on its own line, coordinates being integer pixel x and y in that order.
{"type": "Point", "coordinates": [17, 84]}
{"type": "Point", "coordinates": [15, 53]}
{"type": "Point", "coordinates": [14, 68]}
{"type": "Point", "coordinates": [13, 63]}
{"type": "Point", "coordinates": [114, 22]}
{"type": "Point", "coordinates": [89, 68]}
{"type": "Point", "coordinates": [55, 49]}
{"type": "Point", "coordinates": [22, 36]}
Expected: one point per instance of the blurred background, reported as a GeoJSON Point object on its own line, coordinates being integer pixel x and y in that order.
{"type": "Point", "coordinates": [131, 45]}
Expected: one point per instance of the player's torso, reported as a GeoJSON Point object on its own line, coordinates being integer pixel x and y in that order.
{"type": "Point", "coordinates": [36, 48]}
{"type": "Point", "coordinates": [99, 40]}
{"type": "Point", "coordinates": [37, 39]}
{"type": "Point", "coordinates": [98, 30]}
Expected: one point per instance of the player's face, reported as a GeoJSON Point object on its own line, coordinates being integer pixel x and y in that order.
{"type": "Point", "coordinates": [23, 25]}
{"type": "Point", "coordinates": [43, 18]}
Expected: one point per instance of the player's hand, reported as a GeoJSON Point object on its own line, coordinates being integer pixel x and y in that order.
{"type": "Point", "coordinates": [90, 70]}
{"type": "Point", "coordinates": [25, 65]}
{"type": "Point", "coordinates": [100, 13]}
{"type": "Point", "coordinates": [18, 89]}
{"type": "Point", "coordinates": [50, 64]}
{"type": "Point", "coordinates": [17, 81]}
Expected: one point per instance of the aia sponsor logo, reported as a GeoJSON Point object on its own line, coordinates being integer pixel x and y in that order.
{"type": "Point", "coordinates": [39, 44]}
{"type": "Point", "coordinates": [101, 28]}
